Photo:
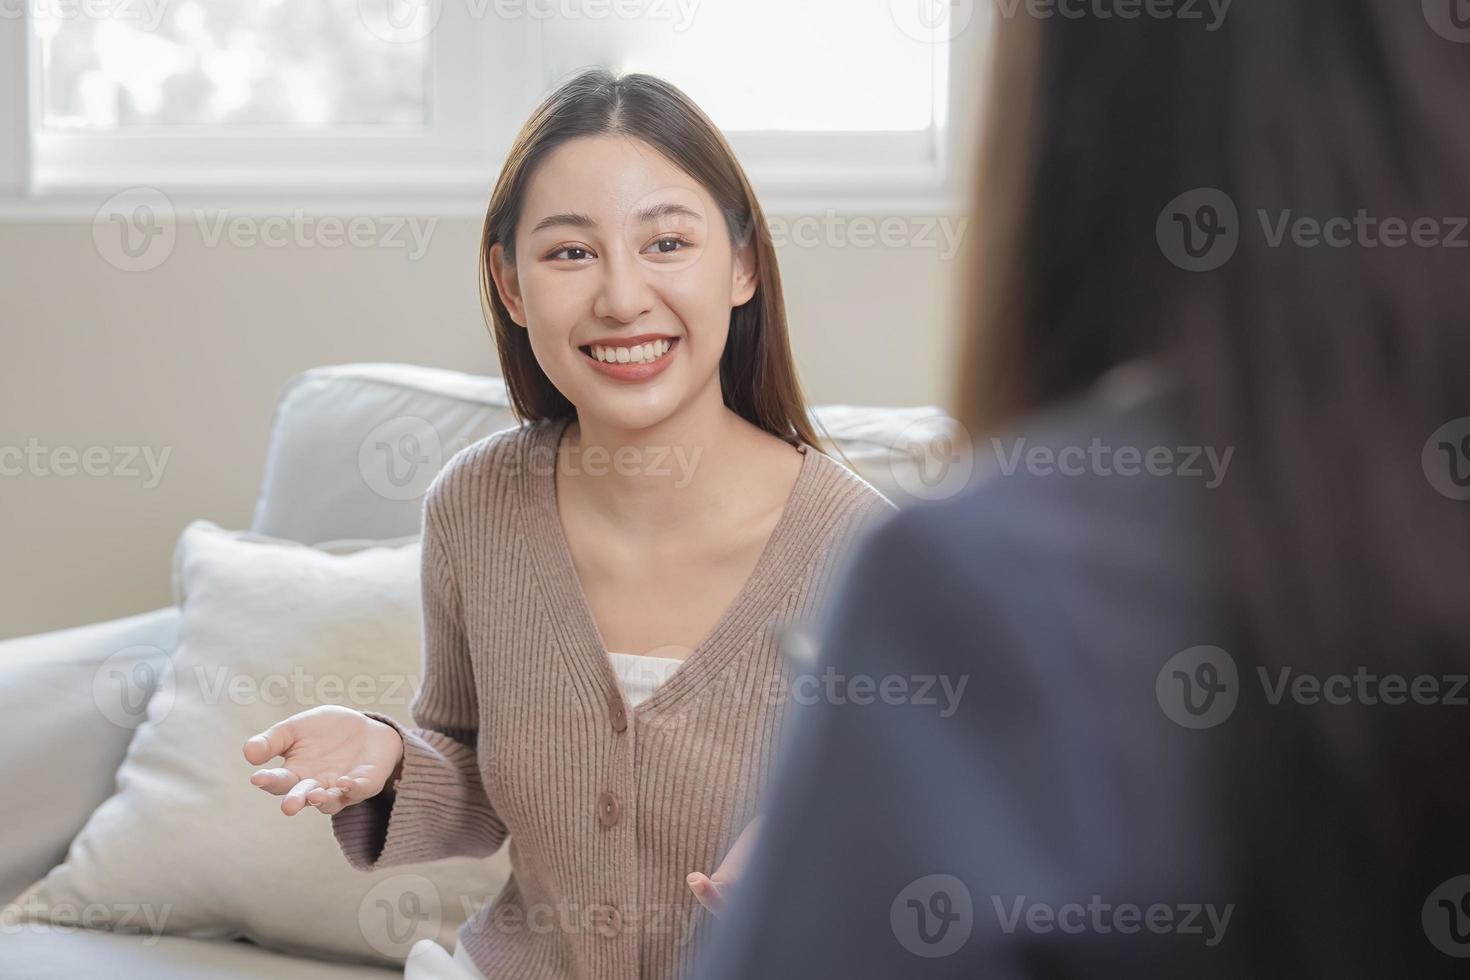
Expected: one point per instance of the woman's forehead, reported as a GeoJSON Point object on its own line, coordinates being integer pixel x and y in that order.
{"type": "Point", "coordinates": [612, 178]}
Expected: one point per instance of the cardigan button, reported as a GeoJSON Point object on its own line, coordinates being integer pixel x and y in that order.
{"type": "Point", "coordinates": [619, 716]}
{"type": "Point", "coordinates": [606, 920]}
{"type": "Point", "coordinates": [609, 811]}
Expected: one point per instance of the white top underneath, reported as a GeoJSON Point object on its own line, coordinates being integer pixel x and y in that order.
{"type": "Point", "coordinates": [641, 676]}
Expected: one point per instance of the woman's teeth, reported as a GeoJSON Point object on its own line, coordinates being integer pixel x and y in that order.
{"type": "Point", "coordinates": [640, 354]}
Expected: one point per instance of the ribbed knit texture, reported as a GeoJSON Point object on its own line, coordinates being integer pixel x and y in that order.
{"type": "Point", "coordinates": [521, 729]}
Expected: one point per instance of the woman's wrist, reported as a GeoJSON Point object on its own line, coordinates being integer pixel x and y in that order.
{"type": "Point", "coordinates": [391, 781]}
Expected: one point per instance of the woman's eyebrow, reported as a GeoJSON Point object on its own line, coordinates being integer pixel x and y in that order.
{"type": "Point", "coordinates": [668, 210]}
{"type": "Point", "coordinates": [643, 215]}
{"type": "Point", "coordinates": [566, 218]}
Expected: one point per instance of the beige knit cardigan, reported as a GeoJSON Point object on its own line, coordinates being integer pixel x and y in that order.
{"type": "Point", "coordinates": [521, 730]}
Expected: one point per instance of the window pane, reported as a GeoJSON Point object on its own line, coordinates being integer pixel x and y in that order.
{"type": "Point", "coordinates": [813, 65]}
{"type": "Point", "coordinates": [311, 64]}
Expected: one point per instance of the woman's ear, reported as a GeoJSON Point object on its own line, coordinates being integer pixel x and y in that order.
{"type": "Point", "coordinates": [507, 283]}
{"type": "Point", "coordinates": [745, 277]}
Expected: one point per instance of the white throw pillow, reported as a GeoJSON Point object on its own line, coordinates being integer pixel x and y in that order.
{"type": "Point", "coordinates": [187, 845]}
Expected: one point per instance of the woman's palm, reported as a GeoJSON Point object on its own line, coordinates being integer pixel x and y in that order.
{"type": "Point", "coordinates": [331, 757]}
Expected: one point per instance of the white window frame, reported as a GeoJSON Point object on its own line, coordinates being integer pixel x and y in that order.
{"type": "Point", "coordinates": [15, 120]}
{"type": "Point", "coordinates": [447, 167]}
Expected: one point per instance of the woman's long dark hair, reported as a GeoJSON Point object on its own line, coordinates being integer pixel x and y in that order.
{"type": "Point", "coordinates": [757, 373]}
{"type": "Point", "coordinates": [1327, 367]}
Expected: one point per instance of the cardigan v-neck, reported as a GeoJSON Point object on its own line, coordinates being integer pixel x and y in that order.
{"type": "Point", "coordinates": [521, 731]}
{"type": "Point", "coordinates": [780, 558]}
{"type": "Point", "coordinates": [639, 677]}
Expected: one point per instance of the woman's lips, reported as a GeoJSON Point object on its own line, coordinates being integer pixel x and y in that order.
{"type": "Point", "coordinates": [630, 370]}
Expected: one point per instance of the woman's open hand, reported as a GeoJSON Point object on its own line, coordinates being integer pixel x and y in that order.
{"type": "Point", "coordinates": [332, 757]}
{"type": "Point", "coordinates": [713, 891]}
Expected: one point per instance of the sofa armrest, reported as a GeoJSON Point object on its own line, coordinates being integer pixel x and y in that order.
{"type": "Point", "coordinates": [69, 702]}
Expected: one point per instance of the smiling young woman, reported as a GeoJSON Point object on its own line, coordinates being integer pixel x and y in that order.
{"type": "Point", "coordinates": [603, 672]}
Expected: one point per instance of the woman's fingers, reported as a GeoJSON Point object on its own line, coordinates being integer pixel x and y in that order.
{"type": "Point", "coordinates": [342, 793]}
{"type": "Point", "coordinates": [697, 884]}
{"type": "Point", "coordinates": [709, 891]}
{"type": "Point", "coordinates": [274, 741]}
{"type": "Point", "coordinates": [713, 891]}
{"type": "Point", "coordinates": [301, 793]}
{"type": "Point", "coordinates": [327, 797]}
{"type": "Point", "coordinates": [295, 800]}
{"type": "Point", "coordinates": [354, 788]}
{"type": "Point", "coordinates": [337, 803]}
{"type": "Point", "coordinates": [719, 895]}
{"type": "Point", "coordinates": [274, 781]}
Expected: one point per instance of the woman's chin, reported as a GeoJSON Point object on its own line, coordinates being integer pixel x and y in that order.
{"type": "Point", "coordinates": [625, 414]}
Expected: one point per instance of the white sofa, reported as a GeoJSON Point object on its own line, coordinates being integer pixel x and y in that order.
{"type": "Point", "coordinates": [351, 450]}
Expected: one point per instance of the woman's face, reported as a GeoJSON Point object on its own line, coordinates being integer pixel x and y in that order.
{"type": "Point", "coordinates": [624, 277]}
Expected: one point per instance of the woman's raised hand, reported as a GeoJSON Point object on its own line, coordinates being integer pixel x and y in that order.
{"type": "Point", "coordinates": [332, 757]}
{"type": "Point", "coordinates": [713, 891]}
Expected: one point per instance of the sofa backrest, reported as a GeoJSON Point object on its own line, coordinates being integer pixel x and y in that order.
{"type": "Point", "coordinates": [353, 447]}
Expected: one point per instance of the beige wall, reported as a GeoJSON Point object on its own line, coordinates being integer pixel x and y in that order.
{"type": "Point", "coordinates": [189, 358]}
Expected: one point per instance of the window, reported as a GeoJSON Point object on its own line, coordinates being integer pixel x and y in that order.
{"type": "Point", "coordinates": [420, 99]}
{"type": "Point", "coordinates": [235, 63]}
{"type": "Point", "coordinates": [819, 65]}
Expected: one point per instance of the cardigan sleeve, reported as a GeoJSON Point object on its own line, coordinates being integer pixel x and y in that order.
{"type": "Point", "coordinates": [437, 808]}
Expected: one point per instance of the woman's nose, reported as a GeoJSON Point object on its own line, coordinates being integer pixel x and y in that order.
{"type": "Point", "coordinates": [625, 294]}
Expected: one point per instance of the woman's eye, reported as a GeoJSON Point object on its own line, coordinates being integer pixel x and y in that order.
{"type": "Point", "coordinates": [575, 253]}
{"type": "Point", "coordinates": [668, 245]}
